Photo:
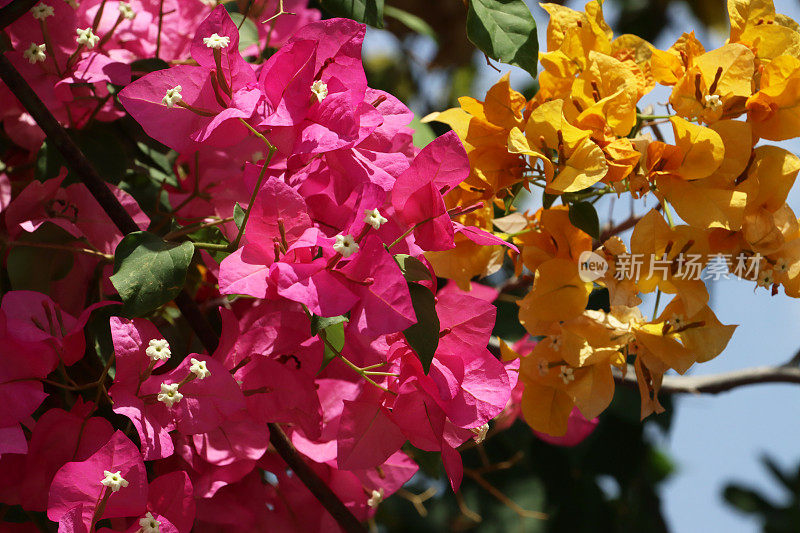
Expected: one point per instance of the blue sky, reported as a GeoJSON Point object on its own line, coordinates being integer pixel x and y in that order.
{"type": "Point", "coordinates": [717, 439]}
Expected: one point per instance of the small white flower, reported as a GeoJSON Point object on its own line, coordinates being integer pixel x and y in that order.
{"type": "Point", "coordinates": [320, 90]}
{"type": "Point", "coordinates": [41, 11]}
{"type": "Point", "coordinates": [543, 366]}
{"type": "Point", "coordinates": [567, 374]}
{"type": "Point", "coordinates": [158, 349]}
{"type": "Point", "coordinates": [113, 480]}
{"type": "Point", "coordinates": [35, 53]}
{"type": "Point", "coordinates": [345, 245]}
{"type": "Point", "coordinates": [713, 101]}
{"type": "Point", "coordinates": [480, 433]}
{"type": "Point", "coordinates": [169, 394]}
{"type": "Point", "coordinates": [375, 498]}
{"type": "Point", "coordinates": [781, 265]}
{"type": "Point", "coordinates": [86, 37]}
{"type": "Point", "coordinates": [766, 278]}
{"type": "Point", "coordinates": [126, 11]}
{"type": "Point", "coordinates": [149, 524]}
{"type": "Point", "coordinates": [216, 41]}
{"type": "Point", "coordinates": [374, 218]}
{"type": "Point", "coordinates": [173, 96]}
{"type": "Point", "coordinates": [555, 343]}
{"type": "Point", "coordinates": [199, 369]}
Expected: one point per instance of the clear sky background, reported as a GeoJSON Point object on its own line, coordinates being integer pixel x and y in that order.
{"type": "Point", "coordinates": [715, 439]}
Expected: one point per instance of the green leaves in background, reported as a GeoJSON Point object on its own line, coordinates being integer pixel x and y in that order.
{"type": "Point", "coordinates": [149, 272]}
{"type": "Point", "coordinates": [412, 22]}
{"type": "Point", "coordinates": [156, 163]}
{"type": "Point", "coordinates": [151, 64]}
{"type": "Point", "coordinates": [34, 268]}
{"type": "Point", "coordinates": [100, 143]}
{"type": "Point", "coordinates": [366, 11]}
{"type": "Point", "coordinates": [423, 133]}
{"type": "Point", "coordinates": [583, 216]}
{"type": "Point", "coordinates": [423, 337]}
{"type": "Point", "coordinates": [505, 31]}
{"type": "Point", "coordinates": [248, 31]}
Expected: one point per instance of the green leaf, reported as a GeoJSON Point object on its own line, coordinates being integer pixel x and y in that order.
{"type": "Point", "coordinates": [412, 268]}
{"type": "Point", "coordinates": [412, 22]}
{"type": "Point", "coordinates": [423, 133]}
{"type": "Point", "coordinates": [319, 323]}
{"type": "Point", "coordinates": [423, 337]}
{"type": "Point", "coordinates": [583, 216]}
{"type": "Point", "coordinates": [48, 162]}
{"type": "Point", "coordinates": [157, 164]}
{"type": "Point", "coordinates": [102, 145]}
{"type": "Point", "coordinates": [31, 268]}
{"type": "Point", "coordinates": [149, 272]}
{"type": "Point", "coordinates": [746, 500]}
{"type": "Point", "coordinates": [366, 11]}
{"type": "Point", "coordinates": [248, 31]}
{"type": "Point", "coordinates": [505, 31]}
{"type": "Point", "coordinates": [511, 197]}
{"type": "Point", "coordinates": [238, 215]}
{"type": "Point", "coordinates": [333, 333]}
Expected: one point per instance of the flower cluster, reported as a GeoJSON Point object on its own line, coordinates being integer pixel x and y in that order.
{"type": "Point", "coordinates": [332, 233]}
{"type": "Point", "coordinates": [583, 136]}
{"type": "Point", "coordinates": [333, 321]}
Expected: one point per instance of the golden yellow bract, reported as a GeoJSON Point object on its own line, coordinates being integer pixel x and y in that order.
{"type": "Point", "coordinates": [582, 136]}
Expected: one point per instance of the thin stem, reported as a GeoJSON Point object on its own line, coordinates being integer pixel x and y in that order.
{"type": "Point", "coordinates": [360, 371]}
{"type": "Point", "coordinates": [49, 46]}
{"type": "Point", "coordinates": [64, 247]}
{"type": "Point", "coordinates": [98, 16]}
{"type": "Point", "coordinates": [211, 246]}
{"type": "Point", "coordinates": [280, 11]}
{"type": "Point", "coordinates": [655, 306]}
{"type": "Point", "coordinates": [195, 227]}
{"type": "Point", "coordinates": [376, 365]}
{"type": "Point", "coordinates": [405, 234]}
{"type": "Point", "coordinates": [160, 23]}
{"type": "Point", "coordinates": [508, 502]}
{"type": "Point", "coordinates": [272, 149]}
{"type": "Point", "coordinates": [105, 38]}
{"type": "Point", "coordinates": [667, 212]}
{"type": "Point", "coordinates": [652, 117]}
{"type": "Point", "coordinates": [197, 110]}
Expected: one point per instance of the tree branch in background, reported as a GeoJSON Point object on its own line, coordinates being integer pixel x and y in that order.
{"type": "Point", "coordinates": [710, 384]}
{"type": "Point", "coordinates": [13, 11]}
{"type": "Point", "coordinates": [716, 383]}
